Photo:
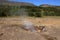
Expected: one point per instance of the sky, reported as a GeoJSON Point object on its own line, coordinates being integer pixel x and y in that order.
{"type": "Point", "coordinates": [39, 2]}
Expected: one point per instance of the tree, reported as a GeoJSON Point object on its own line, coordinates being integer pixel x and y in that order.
{"type": "Point", "coordinates": [4, 10]}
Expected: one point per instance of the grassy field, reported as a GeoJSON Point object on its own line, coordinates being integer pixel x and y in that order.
{"type": "Point", "coordinates": [36, 21]}
{"type": "Point", "coordinates": [11, 28]}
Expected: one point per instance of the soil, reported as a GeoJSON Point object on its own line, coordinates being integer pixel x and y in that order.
{"type": "Point", "coordinates": [10, 29]}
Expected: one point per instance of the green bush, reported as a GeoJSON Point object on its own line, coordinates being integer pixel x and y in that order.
{"type": "Point", "coordinates": [4, 10]}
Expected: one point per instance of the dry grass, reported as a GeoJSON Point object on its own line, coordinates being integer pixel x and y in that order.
{"type": "Point", "coordinates": [10, 27]}
{"type": "Point", "coordinates": [36, 21]}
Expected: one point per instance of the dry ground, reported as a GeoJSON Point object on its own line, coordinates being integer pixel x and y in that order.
{"type": "Point", "coordinates": [10, 29]}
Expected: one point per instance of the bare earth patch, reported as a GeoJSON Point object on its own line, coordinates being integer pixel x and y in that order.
{"type": "Point", "coordinates": [10, 29]}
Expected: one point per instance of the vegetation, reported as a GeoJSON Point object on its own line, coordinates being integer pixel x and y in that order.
{"type": "Point", "coordinates": [6, 10]}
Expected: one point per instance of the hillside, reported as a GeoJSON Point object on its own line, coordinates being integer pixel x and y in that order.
{"type": "Point", "coordinates": [16, 3]}
{"type": "Point", "coordinates": [8, 8]}
{"type": "Point", "coordinates": [48, 5]}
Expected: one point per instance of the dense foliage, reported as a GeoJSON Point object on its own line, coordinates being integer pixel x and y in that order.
{"type": "Point", "coordinates": [6, 10]}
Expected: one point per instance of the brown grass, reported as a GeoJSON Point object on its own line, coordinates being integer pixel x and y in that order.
{"type": "Point", "coordinates": [10, 27]}
{"type": "Point", "coordinates": [36, 21]}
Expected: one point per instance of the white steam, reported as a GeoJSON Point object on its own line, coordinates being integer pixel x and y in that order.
{"type": "Point", "coordinates": [29, 25]}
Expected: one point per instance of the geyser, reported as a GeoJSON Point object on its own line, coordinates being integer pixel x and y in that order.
{"type": "Point", "coordinates": [29, 26]}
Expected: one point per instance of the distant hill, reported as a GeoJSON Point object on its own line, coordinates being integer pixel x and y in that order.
{"type": "Point", "coordinates": [16, 3]}
{"type": "Point", "coordinates": [8, 8]}
{"type": "Point", "coordinates": [3, 0]}
{"type": "Point", "coordinates": [47, 5]}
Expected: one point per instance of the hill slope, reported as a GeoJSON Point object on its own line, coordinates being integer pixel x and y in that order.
{"type": "Point", "coordinates": [16, 3]}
